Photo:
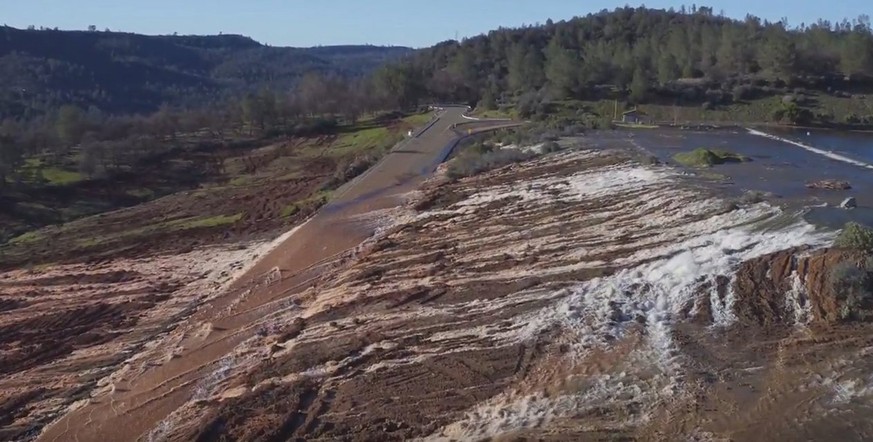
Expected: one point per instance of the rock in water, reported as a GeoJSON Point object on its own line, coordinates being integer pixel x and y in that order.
{"type": "Point", "coordinates": [829, 185]}
{"type": "Point", "coordinates": [849, 203]}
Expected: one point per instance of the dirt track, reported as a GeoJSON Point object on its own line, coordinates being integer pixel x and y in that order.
{"type": "Point", "coordinates": [139, 400]}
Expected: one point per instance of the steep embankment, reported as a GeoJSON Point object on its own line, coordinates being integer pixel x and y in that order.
{"type": "Point", "coordinates": [581, 295]}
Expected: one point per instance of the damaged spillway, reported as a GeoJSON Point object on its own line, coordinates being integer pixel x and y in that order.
{"type": "Point", "coordinates": [580, 295]}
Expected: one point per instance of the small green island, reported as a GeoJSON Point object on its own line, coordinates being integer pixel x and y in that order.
{"type": "Point", "coordinates": [702, 157]}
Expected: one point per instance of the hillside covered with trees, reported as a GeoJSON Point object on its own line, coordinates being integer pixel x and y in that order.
{"type": "Point", "coordinates": [685, 57]}
{"type": "Point", "coordinates": [123, 73]}
{"type": "Point", "coordinates": [85, 108]}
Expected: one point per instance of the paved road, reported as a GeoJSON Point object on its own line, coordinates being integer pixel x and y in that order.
{"type": "Point", "coordinates": [141, 401]}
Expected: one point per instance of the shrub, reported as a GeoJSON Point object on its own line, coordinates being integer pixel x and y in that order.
{"type": "Point", "coordinates": [855, 236]}
{"type": "Point", "coordinates": [716, 96]}
{"type": "Point", "coordinates": [702, 157]}
{"type": "Point", "coordinates": [743, 92]}
{"type": "Point", "coordinates": [752, 197]}
{"type": "Point", "coordinates": [573, 129]}
{"type": "Point", "coordinates": [551, 146]}
{"type": "Point", "coordinates": [549, 135]}
{"type": "Point", "coordinates": [346, 171]}
{"type": "Point", "coordinates": [851, 285]}
{"type": "Point", "coordinates": [527, 104]}
{"type": "Point", "coordinates": [826, 117]}
{"type": "Point", "coordinates": [691, 94]}
{"type": "Point", "coordinates": [648, 160]}
{"type": "Point", "coordinates": [472, 163]}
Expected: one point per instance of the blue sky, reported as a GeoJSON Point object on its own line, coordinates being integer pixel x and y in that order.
{"type": "Point", "coordinates": [414, 23]}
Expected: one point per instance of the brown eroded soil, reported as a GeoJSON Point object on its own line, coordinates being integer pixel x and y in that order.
{"type": "Point", "coordinates": [546, 300]}
{"type": "Point", "coordinates": [107, 299]}
{"type": "Point", "coordinates": [206, 347]}
{"type": "Point", "coordinates": [451, 325]}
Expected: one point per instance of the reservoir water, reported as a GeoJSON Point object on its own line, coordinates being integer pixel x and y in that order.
{"type": "Point", "coordinates": [783, 161]}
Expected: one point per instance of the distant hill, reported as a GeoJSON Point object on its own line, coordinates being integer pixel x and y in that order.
{"type": "Point", "coordinates": [120, 73]}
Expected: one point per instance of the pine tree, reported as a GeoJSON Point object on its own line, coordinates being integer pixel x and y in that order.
{"type": "Point", "coordinates": [562, 66]}
{"type": "Point", "coordinates": [668, 69]}
{"type": "Point", "coordinates": [639, 87]}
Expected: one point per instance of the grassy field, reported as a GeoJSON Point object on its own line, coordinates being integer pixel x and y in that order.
{"type": "Point", "coordinates": [38, 171]}
{"type": "Point", "coordinates": [256, 190]}
{"type": "Point", "coordinates": [364, 140]}
{"type": "Point", "coordinates": [418, 119]}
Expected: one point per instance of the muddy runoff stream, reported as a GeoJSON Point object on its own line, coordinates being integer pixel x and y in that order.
{"type": "Point", "coordinates": [579, 296]}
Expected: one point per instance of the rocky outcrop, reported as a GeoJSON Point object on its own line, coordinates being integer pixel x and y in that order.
{"type": "Point", "coordinates": [829, 185]}
{"type": "Point", "coordinates": [792, 286]}
{"type": "Point", "coordinates": [849, 203]}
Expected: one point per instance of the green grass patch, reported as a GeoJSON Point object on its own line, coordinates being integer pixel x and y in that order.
{"type": "Point", "coordinates": [27, 238]}
{"type": "Point", "coordinates": [202, 222]}
{"type": "Point", "coordinates": [36, 170]}
{"type": "Point", "coordinates": [293, 175]}
{"type": "Point", "coordinates": [494, 113]}
{"type": "Point", "coordinates": [364, 140]}
{"type": "Point", "coordinates": [317, 200]}
{"type": "Point", "coordinates": [702, 157]}
{"type": "Point", "coordinates": [241, 181]}
{"type": "Point", "coordinates": [143, 194]}
{"type": "Point", "coordinates": [635, 126]}
{"type": "Point", "coordinates": [60, 177]}
{"type": "Point", "coordinates": [713, 176]}
{"type": "Point", "coordinates": [418, 119]}
{"type": "Point", "coordinates": [290, 210]}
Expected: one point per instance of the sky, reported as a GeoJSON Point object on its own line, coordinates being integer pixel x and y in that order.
{"type": "Point", "coordinates": [416, 23]}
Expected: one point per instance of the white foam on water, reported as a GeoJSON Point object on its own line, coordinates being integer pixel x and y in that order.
{"type": "Point", "coordinates": [672, 283]}
{"type": "Point", "coordinates": [500, 416]}
{"type": "Point", "coordinates": [822, 152]}
{"type": "Point", "coordinates": [583, 185]}
{"type": "Point", "coordinates": [599, 311]}
{"type": "Point", "coordinates": [677, 251]}
{"type": "Point", "coordinates": [797, 301]}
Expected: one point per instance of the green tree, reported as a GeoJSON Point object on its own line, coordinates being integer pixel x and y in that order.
{"type": "Point", "coordinates": [524, 68]}
{"type": "Point", "coordinates": [562, 70]}
{"type": "Point", "coordinates": [779, 53]}
{"type": "Point", "coordinates": [668, 69]}
{"type": "Point", "coordinates": [10, 157]}
{"type": "Point", "coordinates": [90, 158]}
{"type": "Point", "coordinates": [252, 114]}
{"type": "Point", "coordinates": [70, 125]}
{"type": "Point", "coordinates": [399, 85]}
{"type": "Point", "coordinates": [856, 53]}
{"type": "Point", "coordinates": [639, 87]}
{"type": "Point", "coordinates": [516, 69]}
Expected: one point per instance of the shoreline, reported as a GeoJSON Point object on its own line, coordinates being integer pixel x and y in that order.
{"type": "Point", "coordinates": [739, 125]}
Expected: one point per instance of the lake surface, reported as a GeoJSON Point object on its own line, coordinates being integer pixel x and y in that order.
{"type": "Point", "coordinates": [783, 161]}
